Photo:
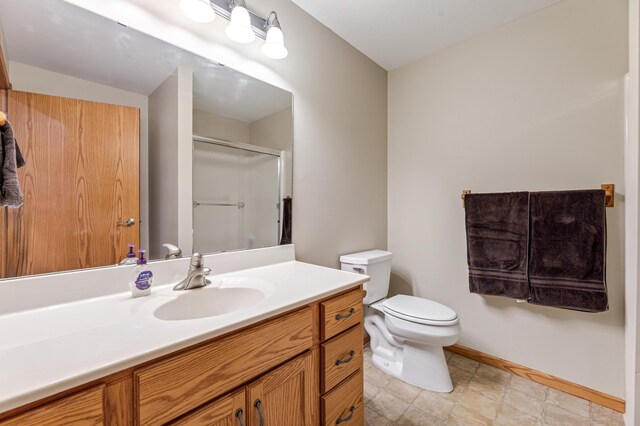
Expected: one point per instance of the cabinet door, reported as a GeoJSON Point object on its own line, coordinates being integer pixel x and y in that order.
{"type": "Point", "coordinates": [228, 410]}
{"type": "Point", "coordinates": [287, 395]}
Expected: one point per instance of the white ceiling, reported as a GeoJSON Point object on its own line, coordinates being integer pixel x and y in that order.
{"type": "Point", "coordinates": [394, 33]}
{"type": "Point", "coordinates": [63, 38]}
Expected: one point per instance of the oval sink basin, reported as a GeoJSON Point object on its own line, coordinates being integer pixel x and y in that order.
{"type": "Point", "coordinates": [221, 297]}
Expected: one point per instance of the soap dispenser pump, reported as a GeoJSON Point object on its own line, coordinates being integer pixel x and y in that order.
{"type": "Point", "coordinates": [130, 258]}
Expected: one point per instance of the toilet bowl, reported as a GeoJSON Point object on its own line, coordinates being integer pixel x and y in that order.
{"type": "Point", "coordinates": [407, 333]}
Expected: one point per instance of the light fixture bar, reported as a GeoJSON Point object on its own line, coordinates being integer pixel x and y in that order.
{"type": "Point", "coordinates": [223, 8]}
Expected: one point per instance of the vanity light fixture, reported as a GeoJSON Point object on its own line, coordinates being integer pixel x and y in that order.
{"type": "Point", "coordinates": [244, 25]}
{"type": "Point", "coordinates": [239, 28]}
{"type": "Point", "coordinates": [274, 45]}
{"type": "Point", "coordinates": [198, 10]}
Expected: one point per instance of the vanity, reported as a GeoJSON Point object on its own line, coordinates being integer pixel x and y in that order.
{"type": "Point", "coordinates": [292, 358]}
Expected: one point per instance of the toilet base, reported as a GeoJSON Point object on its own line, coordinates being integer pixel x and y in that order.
{"type": "Point", "coordinates": [423, 366]}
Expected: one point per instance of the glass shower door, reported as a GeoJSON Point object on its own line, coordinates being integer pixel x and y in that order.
{"type": "Point", "coordinates": [236, 198]}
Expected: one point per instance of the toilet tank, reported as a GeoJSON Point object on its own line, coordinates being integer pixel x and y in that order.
{"type": "Point", "coordinates": [376, 264]}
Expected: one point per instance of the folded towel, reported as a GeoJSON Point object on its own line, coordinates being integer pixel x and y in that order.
{"type": "Point", "coordinates": [10, 160]}
{"type": "Point", "coordinates": [286, 221]}
{"type": "Point", "coordinates": [568, 250]}
{"type": "Point", "coordinates": [497, 239]}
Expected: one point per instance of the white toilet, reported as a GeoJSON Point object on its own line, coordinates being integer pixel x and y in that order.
{"type": "Point", "coordinates": [407, 332]}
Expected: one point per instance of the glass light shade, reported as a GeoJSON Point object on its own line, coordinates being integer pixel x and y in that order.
{"type": "Point", "coordinates": [198, 10]}
{"type": "Point", "coordinates": [239, 28]}
{"type": "Point", "coordinates": [274, 45]}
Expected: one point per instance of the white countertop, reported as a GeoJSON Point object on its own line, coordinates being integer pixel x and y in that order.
{"type": "Point", "coordinates": [47, 350]}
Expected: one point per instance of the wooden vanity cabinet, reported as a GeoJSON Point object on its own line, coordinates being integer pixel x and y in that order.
{"type": "Point", "coordinates": [300, 368]}
{"type": "Point", "coordinates": [229, 410]}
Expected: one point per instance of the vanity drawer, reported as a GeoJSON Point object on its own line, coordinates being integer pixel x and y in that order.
{"type": "Point", "coordinates": [345, 403]}
{"type": "Point", "coordinates": [172, 387]}
{"type": "Point", "coordinates": [341, 357]}
{"type": "Point", "coordinates": [82, 408]}
{"type": "Point", "coordinates": [341, 313]}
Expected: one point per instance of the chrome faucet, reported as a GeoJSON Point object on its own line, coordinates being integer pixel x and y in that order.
{"type": "Point", "coordinates": [174, 251]}
{"type": "Point", "coordinates": [197, 275]}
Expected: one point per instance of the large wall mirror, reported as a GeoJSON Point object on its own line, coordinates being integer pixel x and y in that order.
{"type": "Point", "coordinates": [130, 140]}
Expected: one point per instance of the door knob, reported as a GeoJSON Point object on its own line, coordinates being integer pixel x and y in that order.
{"type": "Point", "coordinates": [127, 223]}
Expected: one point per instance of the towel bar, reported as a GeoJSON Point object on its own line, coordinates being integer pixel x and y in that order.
{"type": "Point", "coordinates": [608, 188]}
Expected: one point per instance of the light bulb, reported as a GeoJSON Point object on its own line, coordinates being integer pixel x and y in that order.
{"type": "Point", "coordinates": [198, 10]}
{"type": "Point", "coordinates": [274, 45]}
{"type": "Point", "coordinates": [239, 28]}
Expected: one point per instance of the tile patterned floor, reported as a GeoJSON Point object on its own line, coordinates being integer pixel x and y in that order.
{"type": "Point", "coordinates": [483, 395]}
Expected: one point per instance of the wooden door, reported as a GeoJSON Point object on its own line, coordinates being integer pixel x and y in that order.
{"type": "Point", "coordinates": [287, 395]}
{"type": "Point", "coordinates": [80, 180]}
{"type": "Point", "coordinates": [228, 410]}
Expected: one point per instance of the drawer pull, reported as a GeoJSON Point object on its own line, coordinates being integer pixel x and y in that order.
{"type": "Point", "coordinates": [344, 316]}
{"type": "Point", "coordinates": [258, 405]}
{"type": "Point", "coordinates": [347, 359]}
{"type": "Point", "coordinates": [346, 419]}
{"type": "Point", "coordinates": [239, 414]}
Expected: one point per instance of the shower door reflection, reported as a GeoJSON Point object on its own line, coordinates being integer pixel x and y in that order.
{"type": "Point", "coordinates": [236, 196]}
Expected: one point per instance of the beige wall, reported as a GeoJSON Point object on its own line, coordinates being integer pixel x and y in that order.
{"type": "Point", "coordinates": [632, 296]}
{"type": "Point", "coordinates": [37, 80]}
{"type": "Point", "coordinates": [215, 126]}
{"type": "Point", "coordinates": [170, 164]}
{"type": "Point", "coordinates": [340, 117]}
{"type": "Point", "coordinates": [275, 131]}
{"type": "Point", "coordinates": [536, 104]}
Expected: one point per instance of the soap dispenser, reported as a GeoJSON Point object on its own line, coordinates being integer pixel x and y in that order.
{"type": "Point", "coordinates": [141, 277]}
{"type": "Point", "coordinates": [130, 258]}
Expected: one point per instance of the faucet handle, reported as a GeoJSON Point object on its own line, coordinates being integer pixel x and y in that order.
{"type": "Point", "coordinates": [196, 260]}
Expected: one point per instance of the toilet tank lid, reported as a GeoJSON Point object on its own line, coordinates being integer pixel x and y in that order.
{"type": "Point", "coordinates": [366, 257]}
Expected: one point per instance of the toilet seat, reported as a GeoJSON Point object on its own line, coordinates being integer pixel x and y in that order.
{"type": "Point", "coordinates": [419, 310]}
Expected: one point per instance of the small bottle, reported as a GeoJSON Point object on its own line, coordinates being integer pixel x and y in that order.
{"type": "Point", "coordinates": [141, 277]}
{"type": "Point", "coordinates": [130, 258]}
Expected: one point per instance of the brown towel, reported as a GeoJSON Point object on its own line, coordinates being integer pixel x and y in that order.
{"type": "Point", "coordinates": [568, 250]}
{"type": "Point", "coordinates": [286, 221]}
{"type": "Point", "coordinates": [10, 160]}
{"type": "Point", "coordinates": [497, 239]}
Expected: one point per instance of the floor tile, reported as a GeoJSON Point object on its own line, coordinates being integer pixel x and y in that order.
{"type": "Point", "coordinates": [402, 390]}
{"type": "Point", "coordinates": [463, 363]}
{"type": "Point", "coordinates": [603, 416]}
{"type": "Point", "coordinates": [571, 403]}
{"type": "Point", "coordinates": [416, 417]}
{"type": "Point", "coordinates": [493, 374]}
{"type": "Point", "coordinates": [529, 387]}
{"type": "Point", "coordinates": [433, 404]}
{"type": "Point", "coordinates": [479, 403]}
{"type": "Point", "coordinates": [460, 416]}
{"type": "Point", "coordinates": [511, 416]}
{"type": "Point", "coordinates": [523, 402]}
{"type": "Point", "coordinates": [486, 387]}
{"type": "Point", "coordinates": [558, 416]}
{"type": "Point", "coordinates": [388, 405]}
{"type": "Point", "coordinates": [482, 396]}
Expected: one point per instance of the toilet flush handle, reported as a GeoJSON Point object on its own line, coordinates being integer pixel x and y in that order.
{"type": "Point", "coordinates": [358, 270]}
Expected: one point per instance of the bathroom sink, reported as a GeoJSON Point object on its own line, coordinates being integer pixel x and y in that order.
{"type": "Point", "coordinates": [221, 297]}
